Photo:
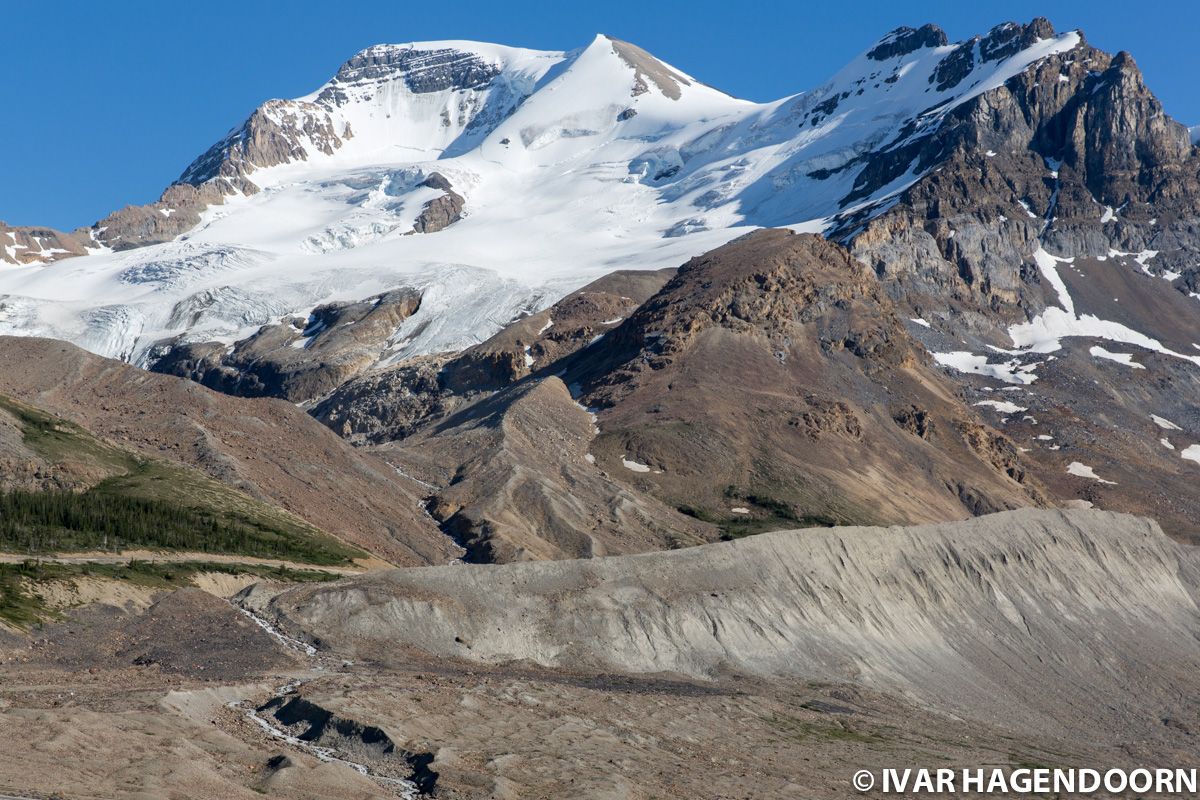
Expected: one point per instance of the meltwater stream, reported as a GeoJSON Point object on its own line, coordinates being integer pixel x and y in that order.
{"type": "Point", "coordinates": [403, 788]}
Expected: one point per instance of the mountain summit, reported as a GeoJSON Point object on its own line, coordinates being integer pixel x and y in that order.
{"type": "Point", "coordinates": [655, 390]}
{"type": "Point", "coordinates": [1018, 212]}
{"type": "Point", "coordinates": [537, 170]}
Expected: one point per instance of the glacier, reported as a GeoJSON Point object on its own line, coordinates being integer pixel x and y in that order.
{"type": "Point", "coordinates": [571, 164]}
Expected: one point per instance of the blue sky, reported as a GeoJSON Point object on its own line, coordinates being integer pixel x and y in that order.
{"type": "Point", "coordinates": [108, 102]}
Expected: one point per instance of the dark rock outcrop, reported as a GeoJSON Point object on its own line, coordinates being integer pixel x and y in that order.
{"type": "Point", "coordinates": [1076, 156]}
{"type": "Point", "coordinates": [761, 377]}
{"type": "Point", "coordinates": [1034, 161]}
{"type": "Point", "coordinates": [422, 71]}
{"type": "Point", "coordinates": [176, 212]}
{"type": "Point", "coordinates": [278, 132]}
{"type": "Point", "coordinates": [439, 212]}
{"type": "Point", "coordinates": [905, 40]}
{"type": "Point", "coordinates": [297, 359]}
{"type": "Point", "coordinates": [393, 403]}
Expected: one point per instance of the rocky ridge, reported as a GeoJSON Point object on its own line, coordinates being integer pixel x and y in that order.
{"type": "Point", "coordinates": [1035, 162]}
{"type": "Point", "coordinates": [770, 382]}
{"type": "Point", "coordinates": [33, 245]}
{"type": "Point", "coordinates": [393, 402]}
{"type": "Point", "coordinates": [1031, 208]}
{"type": "Point", "coordinates": [267, 449]}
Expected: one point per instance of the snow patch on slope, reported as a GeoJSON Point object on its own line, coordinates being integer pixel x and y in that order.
{"type": "Point", "coordinates": [1084, 471]}
{"type": "Point", "coordinates": [1044, 333]}
{"type": "Point", "coordinates": [634, 466]}
{"type": "Point", "coordinates": [1003, 406]}
{"type": "Point", "coordinates": [1165, 424]}
{"type": "Point", "coordinates": [1121, 358]}
{"type": "Point", "coordinates": [1011, 371]}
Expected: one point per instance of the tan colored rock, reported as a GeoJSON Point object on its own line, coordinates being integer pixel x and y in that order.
{"type": "Point", "coordinates": [36, 245]}
{"type": "Point", "coordinates": [518, 483]}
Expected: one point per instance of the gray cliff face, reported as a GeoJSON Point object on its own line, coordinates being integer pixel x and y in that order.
{"type": "Point", "coordinates": [422, 71]}
{"type": "Point", "coordinates": [1034, 162]}
{"type": "Point", "coordinates": [973, 618]}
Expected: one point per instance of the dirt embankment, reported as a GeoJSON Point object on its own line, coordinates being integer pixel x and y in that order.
{"type": "Point", "coordinates": [1025, 616]}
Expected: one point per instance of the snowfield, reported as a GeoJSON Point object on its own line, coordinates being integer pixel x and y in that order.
{"type": "Point", "coordinates": [1044, 333]}
{"type": "Point", "coordinates": [1002, 406]}
{"type": "Point", "coordinates": [1084, 471]}
{"type": "Point", "coordinates": [572, 165]}
{"type": "Point", "coordinates": [634, 466]}
{"type": "Point", "coordinates": [1164, 423]}
{"type": "Point", "coordinates": [1121, 358]}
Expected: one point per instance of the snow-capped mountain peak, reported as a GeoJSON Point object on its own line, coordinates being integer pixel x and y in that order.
{"type": "Point", "coordinates": [432, 100]}
{"type": "Point", "coordinates": [388, 103]}
{"type": "Point", "coordinates": [494, 179]}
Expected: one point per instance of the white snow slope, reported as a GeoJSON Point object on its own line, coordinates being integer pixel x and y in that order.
{"type": "Point", "coordinates": [573, 164]}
